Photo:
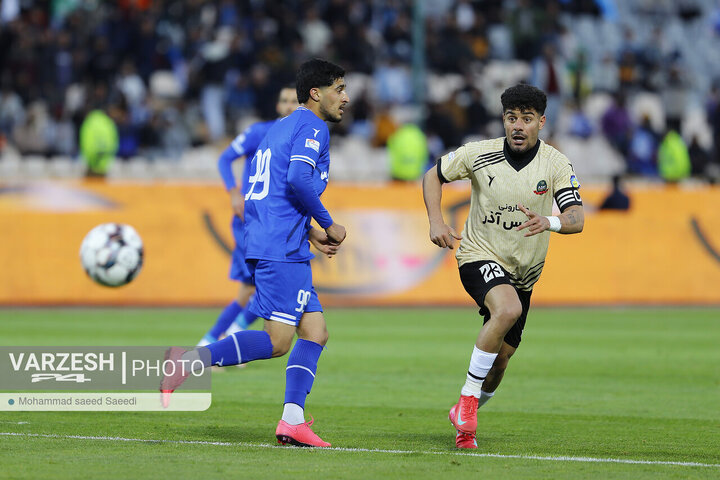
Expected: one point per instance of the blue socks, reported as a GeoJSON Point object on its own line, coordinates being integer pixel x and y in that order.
{"type": "Point", "coordinates": [226, 317]}
{"type": "Point", "coordinates": [300, 372]}
{"type": "Point", "coordinates": [241, 347]}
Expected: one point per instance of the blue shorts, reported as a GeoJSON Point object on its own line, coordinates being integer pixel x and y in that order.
{"type": "Point", "coordinates": [238, 268]}
{"type": "Point", "coordinates": [284, 291]}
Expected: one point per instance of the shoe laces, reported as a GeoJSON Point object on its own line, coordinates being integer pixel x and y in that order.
{"type": "Point", "coordinates": [469, 404]}
{"type": "Point", "coordinates": [310, 422]}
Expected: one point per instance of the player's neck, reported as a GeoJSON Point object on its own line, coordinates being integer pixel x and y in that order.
{"type": "Point", "coordinates": [523, 156]}
{"type": "Point", "coordinates": [314, 107]}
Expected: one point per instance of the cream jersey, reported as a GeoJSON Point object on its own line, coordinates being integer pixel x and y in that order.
{"type": "Point", "coordinates": [498, 186]}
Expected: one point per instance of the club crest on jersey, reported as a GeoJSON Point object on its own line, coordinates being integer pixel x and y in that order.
{"type": "Point", "coordinates": [574, 182]}
{"type": "Point", "coordinates": [541, 188]}
{"type": "Point", "coordinates": [312, 143]}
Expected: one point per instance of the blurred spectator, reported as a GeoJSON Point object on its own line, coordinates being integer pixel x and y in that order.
{"type": "Point", "coordinates": [32, 137]}
{"type": "Point", "coordinates": [211, 65]}
{"type": "Point", "coordinates": [385, 126]}
{"type": "Point", "coordinates": [643, 150]}
{"type": "Point", "coordinates": [617, 199]}
{"type": "Point", "coordinates": [392, 82]}
{"type": "Point", "coordinates": [440, 125]}
{"type": "Point", "coordinates": [712, 108]}
{"type": "Point", "coordinates": [131, 85]}
{"type": "Point", "coordinates": [675, 96]}
{"type": "Point", "coordinates": [525, 21]}
{"type": "Point", "coordinates": [12, 111]}
{"type": "Point", "coordinates": [699, 158]}
{"type": "Point", "coordinates": [477, 117]}
{"type": "Point", "coordinates": [606, 78]}
{"type": "Point", "coordinates": [98, 142]}
{"type": "Point", "coordinates": [408, 152]}
{"type": "Point", "coordinates": [315, 33]}
{"type": "Point", "coordinates": [617, 125]}
{"type": "Point", "coordinates": [673, 157]}
{"type": "Point", "coordinates": [549, 75]}
{"type": "Point", "coordinates": [579, 82]}
{"type": "Point", "coordinates": [62, 134]}
{"type": "Point", "coordinates": [580, 124]}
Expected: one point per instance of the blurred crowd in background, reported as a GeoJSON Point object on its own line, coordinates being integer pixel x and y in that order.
{"type": "Point", "coordinates": [171, 75]}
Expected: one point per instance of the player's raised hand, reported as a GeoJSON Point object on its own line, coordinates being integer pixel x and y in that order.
{"type": "Point", "coordinates": [320, 240]}
{"type": "Point", "coordinates": [336, 233]}
{"type": "Point", "coordinates": [237, 200]}
{"type": "Point", "coordinates": [535, 224]}
{"type": "Point", "coordinates": [442, 235]}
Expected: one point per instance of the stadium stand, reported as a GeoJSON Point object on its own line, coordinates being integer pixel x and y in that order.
{"type": "Point", "coordinates": [180, 78]}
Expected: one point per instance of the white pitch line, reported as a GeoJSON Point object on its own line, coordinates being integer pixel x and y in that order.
{"type": "Point", "coordinates": [371, 450]}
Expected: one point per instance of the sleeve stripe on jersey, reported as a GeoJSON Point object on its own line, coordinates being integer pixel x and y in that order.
{"type": "Point", "coordinates": [489, 156]}
{"type": "Point", "coordinates": [303, 158]}
{"type": "Point", "coordinates": [238, 148]}
{"type": "Point", "coordinates": [488, 163]}
{"type": "Point", "coordinates": [439, 172]}
{"type": "Point", "coordinates": [567, 197]}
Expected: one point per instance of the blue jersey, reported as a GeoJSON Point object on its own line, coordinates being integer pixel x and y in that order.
{"type": "Point", "coordinates": [277, 222]}
{"type": "Point", "coordinates": [245, 145]}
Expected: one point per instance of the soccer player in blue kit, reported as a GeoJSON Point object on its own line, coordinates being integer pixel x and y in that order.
{"type": "Point", "coordinates": [288, 173]}
{"type": "Point", "coordinates": [233, 317]}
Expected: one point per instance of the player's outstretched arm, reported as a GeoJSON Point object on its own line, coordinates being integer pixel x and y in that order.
{"type": "Point", "coordinates": [441, 234]}
{"type": "Point", "coordinates": [571, 220]}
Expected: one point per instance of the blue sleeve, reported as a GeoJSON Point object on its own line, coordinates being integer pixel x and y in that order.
{"type": "Point", "coordinates": [309, 142]}
{"type": "Point", "coordinates": [244, 145]}
{"type": "Point", "coordinates": [300, 179]}
{"type": "Point", "coordinates": [225, 167]}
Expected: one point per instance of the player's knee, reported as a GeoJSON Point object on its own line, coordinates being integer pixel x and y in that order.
{"type": "Point", "coordinates": [320, 336]}
{"type": "Point", "coordinates": [280, 346]}
{"type": "Point", "coordinates": [507, 314]}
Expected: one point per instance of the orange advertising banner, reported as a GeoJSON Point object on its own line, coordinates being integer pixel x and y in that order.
{"type": "Point", "coordinates": [665, 250]}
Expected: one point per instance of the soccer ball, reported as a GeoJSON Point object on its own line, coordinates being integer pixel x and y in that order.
{"type": "Point", "coordinates": [112, 254]}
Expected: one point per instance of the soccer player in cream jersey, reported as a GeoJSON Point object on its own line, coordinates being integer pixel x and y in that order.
{"type": "Point", "coordinates": [503, 246]}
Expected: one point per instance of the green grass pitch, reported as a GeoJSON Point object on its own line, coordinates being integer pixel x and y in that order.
{"type": "Point", "coordinates": [591, 393]}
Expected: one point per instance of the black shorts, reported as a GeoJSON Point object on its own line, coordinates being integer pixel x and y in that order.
{"type": "Point", "coordinates": [478, 278]}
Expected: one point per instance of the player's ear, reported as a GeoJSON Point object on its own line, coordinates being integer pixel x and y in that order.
{"type": "Point", "coordinates": [315, 94]}
{"type": "Point", "coordinates": [542, 122]}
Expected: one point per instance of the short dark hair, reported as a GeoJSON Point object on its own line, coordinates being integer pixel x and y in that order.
{"type": "Point", "coordinates": [523, 96]}
{"type": "Point", "coordinates": [315, 73]}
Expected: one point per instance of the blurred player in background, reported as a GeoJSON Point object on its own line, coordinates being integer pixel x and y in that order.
{"type": "Point", "coordinates": [514, 181]}
{"type": "Point", "coordinates": [234, 318]}
{"type": "Point", "coordinates": [289, 173]}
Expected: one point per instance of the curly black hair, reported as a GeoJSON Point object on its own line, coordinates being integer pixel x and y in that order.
{"type": "Point", "coordinates": [315, 73]}
{"type": "Point", "coordinates": [523, 96]}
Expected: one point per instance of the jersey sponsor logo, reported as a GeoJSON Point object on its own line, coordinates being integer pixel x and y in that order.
{"type": "Point", "coordinates": [312, 143]}
{"type": "Point", "coordinates": [541, 188]}
{"type": "Point", "coordinates": [490, 181]}
{"type": "Point", "coordinates": [316, 132]}
{"type": "Point", "coordinates": [574, 181]}
{"type": "Point", "coordinates": [451, 155]}
{"type": "Point", "coordinates": [496, 218]}
{"type": "Point", "coordinates": [324, 176]}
